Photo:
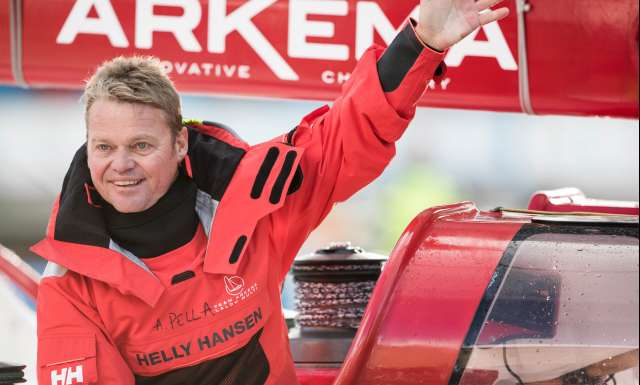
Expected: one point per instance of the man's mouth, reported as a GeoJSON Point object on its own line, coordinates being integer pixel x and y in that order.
{"type": "Point", "coordinates": [127, 183]}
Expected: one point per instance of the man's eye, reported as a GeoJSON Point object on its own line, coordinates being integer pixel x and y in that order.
{"type": "Point", "coordinates": [142, 146]}
{"type": "Point", "coordinates": [103, 147]}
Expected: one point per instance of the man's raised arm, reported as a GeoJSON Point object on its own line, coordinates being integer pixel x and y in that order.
{"type": "Point", "coordinates": [350, 144]}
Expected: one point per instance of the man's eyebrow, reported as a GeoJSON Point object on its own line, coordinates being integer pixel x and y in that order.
{"type": "Point", "coordinates": [131, 140]}
{"type": "Point", "coordinates": [98, 139]}
{"type": "Point", "coordinates": [143, 137]}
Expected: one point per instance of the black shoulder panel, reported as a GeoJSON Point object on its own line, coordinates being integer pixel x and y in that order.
{"type": "Point", "coordinates": [213, 162]}
{"type": "Point", "coordinates": [77, 220]}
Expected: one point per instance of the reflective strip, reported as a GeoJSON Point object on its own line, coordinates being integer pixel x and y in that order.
{"type": "Point", "coordinates": [205, 208]}
{"type": "Point", "coordinates": [53, 270]}
{"type": "Point", "coordinates": [130, 256]}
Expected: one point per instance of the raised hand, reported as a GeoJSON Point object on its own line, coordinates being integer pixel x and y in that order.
{"type": "Point", "coordinates": [442, 23]}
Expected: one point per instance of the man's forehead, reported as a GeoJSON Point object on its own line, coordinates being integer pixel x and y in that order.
{"type": "Point", "coordinates": [103, 136]}
{"type": "Point", "coordinates": [112, 119]}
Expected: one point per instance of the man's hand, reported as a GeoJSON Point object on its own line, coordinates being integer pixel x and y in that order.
{"type": "Point", "coordinates": [442, 23]}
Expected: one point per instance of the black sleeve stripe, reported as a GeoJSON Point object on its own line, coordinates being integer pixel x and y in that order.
{"type": "Point", "coordinates": [296, 182]}
{"type": "Point", "coordinates": [235, 253]}
{"type": "Point", "coordinates": [278, 187]}
{"type": "Point", "coordinates": [264, 171]}
{"type": "Point", "coordinates": [398, 59]}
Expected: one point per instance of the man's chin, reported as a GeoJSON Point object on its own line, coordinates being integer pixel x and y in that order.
{"type": "Point", "coordinates": [128, 207]}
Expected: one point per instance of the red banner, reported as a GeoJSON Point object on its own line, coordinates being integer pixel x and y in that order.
{"type": "Point", "coordinates": [6, 75]}
{"type": "Point", "coordinates": [583, 56]}
{"type": "Point", "coordinates": [307, 48]}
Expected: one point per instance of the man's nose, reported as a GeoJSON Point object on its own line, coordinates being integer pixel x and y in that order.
{"type": "Point", "coordinates": [122, 162]}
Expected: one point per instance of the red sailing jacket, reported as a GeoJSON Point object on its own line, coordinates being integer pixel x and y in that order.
{"type": "Point", "coordinates": [209, 312]}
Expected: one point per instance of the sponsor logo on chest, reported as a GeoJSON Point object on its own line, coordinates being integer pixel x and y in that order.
{"type": "Point", "coordinates": [67, 376]}
{"type": "Point", "coordinates": [238, 292]}
{"type": "Point", "coordinates": [219, 336]}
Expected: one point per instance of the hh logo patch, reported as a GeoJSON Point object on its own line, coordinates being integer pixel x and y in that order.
{"type": "Point", "coordinates": [233, 284]}
{"type": "Point", "coordinates": [67, 376]}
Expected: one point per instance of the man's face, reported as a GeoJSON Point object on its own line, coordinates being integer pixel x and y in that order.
{"type": "Point", "coordinates": [132, 155]}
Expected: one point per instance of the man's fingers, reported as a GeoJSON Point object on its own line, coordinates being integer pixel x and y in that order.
{"type": "Point", "coordinates": [491, 16]}
{"type": "Point", "coordinates": [481, 5]}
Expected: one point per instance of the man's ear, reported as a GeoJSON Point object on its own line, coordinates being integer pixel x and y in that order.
{"type": "Point", "coordinates": [182, 143]}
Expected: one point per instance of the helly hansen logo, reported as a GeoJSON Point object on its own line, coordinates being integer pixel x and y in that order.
{"type": "Point", "coordinates": [67, 376]}
{"type": "Point", "coordinates": [204, 343]}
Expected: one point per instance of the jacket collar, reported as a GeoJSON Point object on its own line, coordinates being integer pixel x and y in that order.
{"type": "Point", "coordinates": [77, 236]}
{"type": "Point", "coordinates": [248, 182]}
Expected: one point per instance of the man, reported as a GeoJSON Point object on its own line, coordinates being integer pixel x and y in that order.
{"type": "Point", "coordinates": [169, 242]}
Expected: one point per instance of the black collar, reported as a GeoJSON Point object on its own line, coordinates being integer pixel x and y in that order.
{"type": "Point", "coordinates": [167, 225]}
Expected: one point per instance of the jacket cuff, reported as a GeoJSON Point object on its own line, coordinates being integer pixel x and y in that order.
{"type": "Point", "coordinates": [403, 54]}
{"type": "Point", "coordinates": [405, 67]}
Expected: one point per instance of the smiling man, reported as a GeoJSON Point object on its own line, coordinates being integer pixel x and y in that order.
{"type": "Point", "coordinates": [169, 241]}
{"type": "Point", "coordinates": [129, 148]}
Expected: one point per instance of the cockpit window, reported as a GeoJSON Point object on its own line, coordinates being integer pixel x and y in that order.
{"type": "Point", "coordinates": [562, 309]}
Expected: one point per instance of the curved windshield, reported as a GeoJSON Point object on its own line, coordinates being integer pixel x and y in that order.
{"type": "Point", "coordinates": [565, 312]}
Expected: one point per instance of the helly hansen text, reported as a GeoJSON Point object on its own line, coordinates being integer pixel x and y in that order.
{"type": "Point", "coordinates": [205, 342]}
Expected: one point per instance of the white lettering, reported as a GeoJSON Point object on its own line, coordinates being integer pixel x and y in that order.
{"type": "Point", "coordinates": [206, 67]}
{"type": "Point", "coordinates": [328, 77]}
{"type": "Point", "coordinates": [166, 65]}
{"type": "Point", "coordinates": [180, 67]}
{"type": "Point", "coordinates": [495, 47]}
{"type": "Point", "coordinates": [343, 77]}
{"type": "Point", "coordinates": [180, 26]}
{"type": "Point", "coordinates": [75, 376]}
{"type": "Point", "coordinates": [300, 28]}
{"type": "Point", "coordinates": [243, 72]}
{"type": "Point", "coordinates": [221, 24]}
{"type": "Point", "coordinates": [59, 378]}
{"type": "Point", "coordinates": [331, 77]}
{"type": "Point", "coordinates": [371, 19]}
{"type": "Point", "coordinates": [194, 69]}
{"type": "Point", "coordinates": [105, 24]}
{"type": "Point", "coordinates": [228, 70]}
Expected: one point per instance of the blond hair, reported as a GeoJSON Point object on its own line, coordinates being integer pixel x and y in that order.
{"type": "Point", "coordinates": [135, 79]}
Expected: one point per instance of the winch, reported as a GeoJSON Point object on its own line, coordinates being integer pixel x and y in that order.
{"type": "Point", "coordinates": [332, 286]}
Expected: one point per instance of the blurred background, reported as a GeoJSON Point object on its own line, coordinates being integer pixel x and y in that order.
{"type": "Point", "coordinates": [446, 156]}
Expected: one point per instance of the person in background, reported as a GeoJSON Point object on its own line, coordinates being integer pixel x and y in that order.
{"type": "Point", "coordinates": [169, 241]}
